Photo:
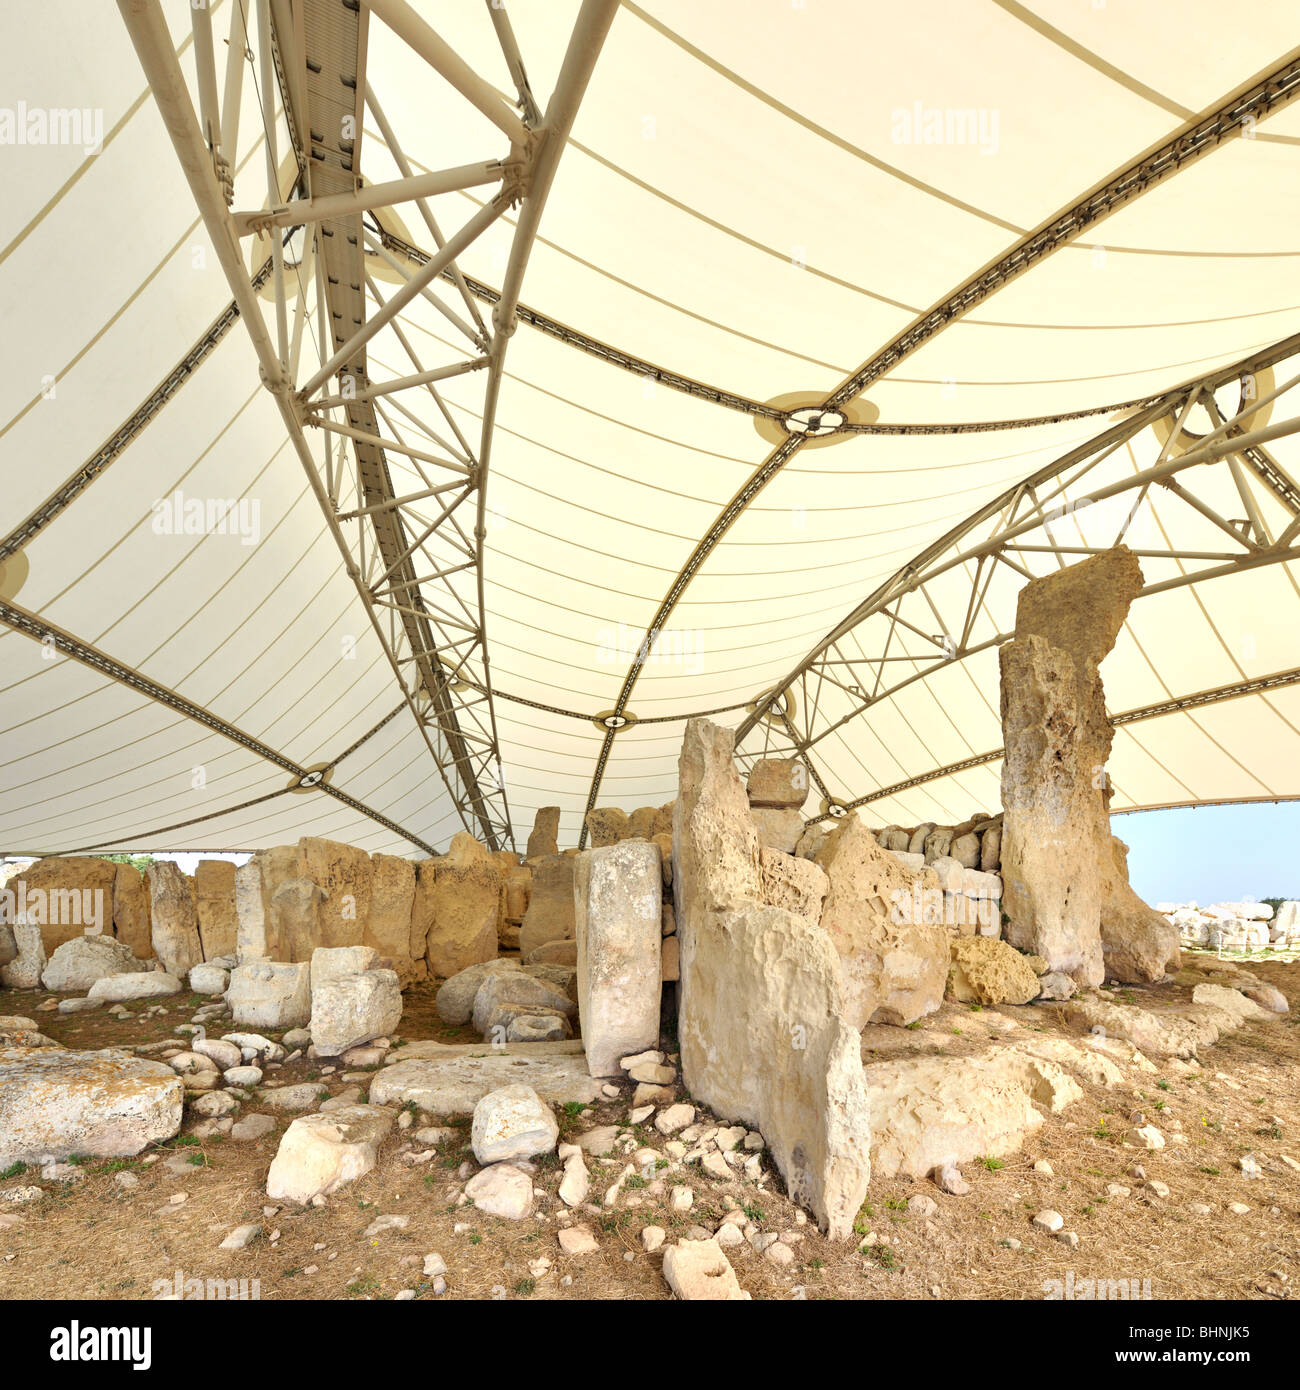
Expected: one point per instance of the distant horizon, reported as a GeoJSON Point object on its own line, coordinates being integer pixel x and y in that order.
{"type": "Point", "coordinates": [1209, 854]}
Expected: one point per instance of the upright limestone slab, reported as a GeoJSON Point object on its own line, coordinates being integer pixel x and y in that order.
{"type": "Point", "coordinates": [175, 922]}
{"type": "Point", "coordinates": [66, 896]}
{"type": "Point", "coordinates": [392, 900]}
{"type": "Point", "coordinates": [214, 904]}
{"type": "Point", "coordinates": [549, 916]}
{"type": "Point", "coordinates": [131, 911]}
{"type": "Point", "coordinates": [466, 903]}
{"type": "Point", "coordinates": [344, 876]}
{"type": "Point", "coordinates": [1057, 739]}
{"type": "Point", "coordinates": [253, 939]}
{"type": "Point", "coordinates": [543, 838]}
{"type": "Point", "coordinates": [763, 1034]}
{"type": "Point", "coordinates": [895, 967]}
{"type": "Point", "coordinates": [617, 897]}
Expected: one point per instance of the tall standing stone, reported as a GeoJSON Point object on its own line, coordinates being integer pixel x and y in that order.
{"type": "Point", "coordinates": [549, 916]}
{"type": "Point", "coordinates": [1057, 739]}
{"type": "Point", "coordinates": [252, 919]}
{"type": "Point", "coordinates": [392, 900]}
{"type": "Point", "coordinates": [618, 894]}
{"type": "Point", "coordinates": [466, 901]}
{"type": "Point", "coordinates": [422, 908]}
{"type": "Point", "coordinates": [343, 874]}
{"type": "Point", "coordinates": [131, 911]}
{"type": "Point", "coordinates": [175, 923]}
{"type": "Point", "coordinates": [543, 839]}
{"type": "Point", "coordinates": [214, 904]}
{"type": "Point", "coordinates": [762, 1029]}
{"type": "Point", "coordinates": [66, 897]}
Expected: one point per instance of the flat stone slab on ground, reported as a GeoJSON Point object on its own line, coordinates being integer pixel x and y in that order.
{"type": "Point", "coordinates": [55, 1102]}
{"type": "Point", "coordinates": [454, 1084]}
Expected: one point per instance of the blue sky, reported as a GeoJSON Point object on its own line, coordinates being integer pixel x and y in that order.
{"type": "Point", "coordinates": [1210, 854]}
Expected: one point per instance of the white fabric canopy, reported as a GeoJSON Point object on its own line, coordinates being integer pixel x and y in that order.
{"type": "Point", "coordinates": [750, 199]}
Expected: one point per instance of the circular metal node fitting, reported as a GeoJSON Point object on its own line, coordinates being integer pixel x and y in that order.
{"type": "Point", "coordinates": [319, 775]}
{"type": "Point", "coordinates": [611, 722]}
{"type": "Point", "coordinates": [814, 423]}
{"type": "Point", "coordinates": [783, 707]}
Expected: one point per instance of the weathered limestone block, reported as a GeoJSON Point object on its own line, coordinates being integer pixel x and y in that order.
{"type": "Point", "coordinates": [641, 822]}
{"type": "Point", "coordinates": [422, 909]}
{"type": "Point", "coordinates": [786, 1062]}
{"type": "Point", "coordinates": [55, 1102]}
{"type": "Point", "coordinates": [715, 842]}
{"type": "Point", "coordinates": [252, 919]}
{"type": "Point", "coordinates": [333, 962]}
{"type": "Point", "coordinates": [987, 971]}
{"type": "Point", "coordinates": [295, 910]}
{"type": "Point", "coordinates": [466, 904]}
{"type": "Point", "coordinates": [916, 841]}
{"type": "Point", "coordinates": [24, 970]}
{"type": "Point", "coordinates": [347, 1010]}
{"type": "Point", "coordinates": [518, 886]}
{"type": "Point", "coordinates": [698, 1272]}
{"type": "Point", "coordinates": [550, 904]}
{"type": "Point", "coordinates": [78, 963]}
{"type": "Point", "coordinates": [809, 844]}
{"type": "Point", "coordinates": [664, 819]}
{"type": "Point", "coordinates": [343, 874]}
{"type": "Point", "coordinates": [291, 920]}
{"type": "Point", "coordinates": [554, 953]}
{"type": "Point", "coordinates": [503, 994]}
{"type": "Point", "coordinates": [797, 885]}
{"type": "Point", "coordinates": [893, 837]}
{"type": "Point", "coordinates": [320, 1153]}
{"type": "Point", "coordinates": [1137, 943]}
{"type": "Point", "coordinates": [1053, 812]}
{"type": "Point", "coordinates": [779, 783]}
{"type": "Point", "coordinates": [131, 911]}
{"type": "Point", "coordinates": [779, 830]}
{"type": "Point", "coordinates": [452, 1081]}
{"type": "Point", "coordinates": [991, 850]}
{"type": "Point", "coordinates": [138, 984]}
{"type": "Point", "coordinates": [214, 905]}
{"type": "Point", "coordinates": [965, 849]}
{"type": "Point", "coordinates": [175, 923]}
{"type": "Point", "coordinates": [670, 960]}
{"type": "Point", "coordinates": [511, 1123]}
{"type": "Point", "coordinates": [665, 843]}
{"type": "Point", "coordinates": [895, 967]}
{"type": "Point", "coordinates": [937, 844]}
{"type": "Point", "coordinates": [543, 838]}
{"type": "Point", "coordinates": [64, 897]}
{"type": "Point", "coordinates": [209, 979]}
{"type": "Point", "coordinates": [267, 994]}
{"type": "Point", "coordinates": [928, 1111]}
{"type": "Point", "coordinates": [392, 901]}
{"type": "Point", "coordinates": [617, 894]}
{"type": "Point", "coordinates": [606, 825]}
{"type": "Point", "coordinates": [1055, 789]}
{"type": "Point", "coordinates": [455, 998]}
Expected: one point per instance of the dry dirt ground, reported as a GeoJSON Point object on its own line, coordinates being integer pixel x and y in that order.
{"type": "Point", "coordinates": [97, 1239]}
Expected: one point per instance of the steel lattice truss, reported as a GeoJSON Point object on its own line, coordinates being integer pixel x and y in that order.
{"type": "Point", "coordinates": [416, 556]}
{"type": "Point", "coordinates": [935, 610]}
